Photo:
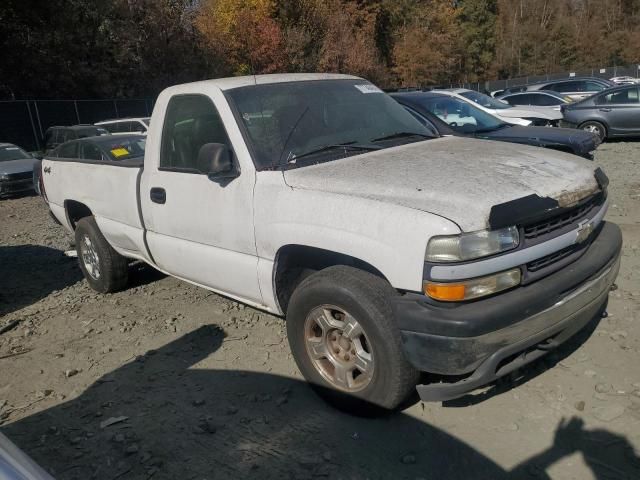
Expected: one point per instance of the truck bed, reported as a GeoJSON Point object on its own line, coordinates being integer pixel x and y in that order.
{"type": "Point", "coordinates": [109, 189]}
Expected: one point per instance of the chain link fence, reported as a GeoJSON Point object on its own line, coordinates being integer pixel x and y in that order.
{"type": "Point", "coordinates": [24, 122]}
{"type": "Point", "coordinates": [606, 72]}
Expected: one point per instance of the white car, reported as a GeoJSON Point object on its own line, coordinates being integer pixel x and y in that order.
{"type": "Point", "coordinates": [133, 125]}
{"type": "Point", "coordinates": [521, 115]}
{"type": "Point", "coordinates": [389, 250]}
{"type": "Point", "coordinates": [625, 80]}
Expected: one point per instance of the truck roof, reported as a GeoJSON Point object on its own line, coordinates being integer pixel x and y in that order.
{"type": "Point", "coordinates": [235, 82]}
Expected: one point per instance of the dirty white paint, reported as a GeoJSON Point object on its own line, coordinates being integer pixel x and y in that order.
{"type": "Point", "coordinates": [457, 178]}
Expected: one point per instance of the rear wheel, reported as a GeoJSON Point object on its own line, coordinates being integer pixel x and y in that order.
{"type": "Point", "coordinates": [345, 341]}
{"type": "Point", "coordinates": [595, 127]}
{"type": "Point", "coordinates": [104, 269]}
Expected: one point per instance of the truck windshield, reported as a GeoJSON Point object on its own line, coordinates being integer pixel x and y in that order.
{"type": "Point", "coordinates": [321, 121]}
{"type": "Point", "coordinates": [12, 153]}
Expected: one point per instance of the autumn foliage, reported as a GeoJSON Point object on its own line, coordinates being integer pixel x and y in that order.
{"type": "Point", "coordinates": [94, 48]}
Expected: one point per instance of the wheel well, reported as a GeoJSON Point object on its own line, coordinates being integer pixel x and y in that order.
{"type": "Point", "coordinates": [296, 262]}
{"type": "Point", "coordinates": [604, 125]}
{"type": "Point", "coordinates": [75, 212]}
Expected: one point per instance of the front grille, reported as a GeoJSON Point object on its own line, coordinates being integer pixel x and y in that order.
{"type": "Point", "coordinates": [562, 220]}
{"type": "Point", "coordinates": [543, 262]}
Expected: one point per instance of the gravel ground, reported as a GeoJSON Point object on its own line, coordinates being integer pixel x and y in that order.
{"type": "Point", "coordinates": [166, 380]}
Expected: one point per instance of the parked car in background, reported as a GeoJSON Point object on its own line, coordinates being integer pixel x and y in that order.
{"type": "Point", "coordinates": [138, 125]}
{"type": "Point", "coordinates": [539, 116]}
{"type": "Point", "coordinates": [540, 98]}
{"type": "Point", "coordinates": [16, 170]}
{"type": "Point", "coordinates": [111, 148]}
{"type": "Point", "coordinates": [428, 108]}
{"type": "Point", "coordinates": [575, 88]}
{"type": "Point", "coordinates": [625, 80]}
{"type": "Point", "coordinates": [55, 136]}
{"type": "Point", "coordinates": [389, 251]}
{"type": "Point", "coordinates": [612, 113]}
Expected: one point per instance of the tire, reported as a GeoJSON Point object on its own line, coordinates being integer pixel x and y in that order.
{"type": "Point", "coordinates": [343, 295]}
{"type": "Point", "coordinates": [104, 269]}
{"type": "Point", "coordinates": [595, 127]}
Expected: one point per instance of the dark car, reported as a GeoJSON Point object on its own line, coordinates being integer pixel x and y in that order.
{"type": "Point", "coordinates": [575, 88]}
{"type": "Point", "coordinates": [434, 111]}
{"type": "Point", "coordinates": [55, 136]}
{"type": "Point", "coordinates": [540, 98]}
{"type": "Point", "coordinates": [111, 148]}
{"type": "Point", "coordinates": [612, 113]}
{"type": "Point", "coordinates": [16, 170]}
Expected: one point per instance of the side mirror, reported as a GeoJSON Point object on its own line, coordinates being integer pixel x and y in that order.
{"type": "Point", "coordinates": [216, 160]}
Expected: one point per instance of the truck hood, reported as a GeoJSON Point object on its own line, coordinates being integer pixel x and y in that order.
{"type": "Point", "coordinates": [17, 166]}
{"type": "Point", "coordinates": [454, 177]}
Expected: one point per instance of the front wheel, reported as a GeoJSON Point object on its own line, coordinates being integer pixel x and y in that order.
{"type": "Point", "coordinates": [345, 341]}
{"type": "Point", "coordinates": [104, 269]}
{"type": "Point", "coordinates": [595, 127]}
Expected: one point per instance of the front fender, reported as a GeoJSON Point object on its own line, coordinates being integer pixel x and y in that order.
{"type": "Point", "coordinates": [389, 237]}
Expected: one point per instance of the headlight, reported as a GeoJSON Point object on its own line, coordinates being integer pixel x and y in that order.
{"type": "Point", "coordinates": [470, 289]}
{"type": "Point", "coordinates": [469, 246]}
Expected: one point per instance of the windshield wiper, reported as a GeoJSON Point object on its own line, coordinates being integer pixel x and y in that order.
{"type": "Point", "coordinates": [401, 135]}
{"type": "Point", "coordinates": [293, 158]}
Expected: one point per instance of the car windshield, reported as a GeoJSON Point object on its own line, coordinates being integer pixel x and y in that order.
{"type": "Point", "coordinates": [124, 148]}
{"type": "Point", "coordinates": [12, 153]}
{"type": "Point", "coordinates": [461, 116]}
{"type": "Point", "coordinates": [300, 123]}
{"type": "Point", "coordinates": [485, 100]}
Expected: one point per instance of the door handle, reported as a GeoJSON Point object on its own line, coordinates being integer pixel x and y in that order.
{"type": "Point", "coordinates": [605, 109]}
{"type": "Point", "coordinates": [158, 195]}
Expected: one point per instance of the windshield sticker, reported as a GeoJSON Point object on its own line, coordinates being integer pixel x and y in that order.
{"type": "Point", "coordinates": [119, 152]}
{"type": "Point", "coordinates": [368, 88]}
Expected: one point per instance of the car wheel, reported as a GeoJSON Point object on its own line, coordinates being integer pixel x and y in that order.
{"type": "Point", "coordinates": [104, 269]}
{"type": "Point", "coordinates": [346, 343]}
{"type": "Point", "coordinates": [595, 127]}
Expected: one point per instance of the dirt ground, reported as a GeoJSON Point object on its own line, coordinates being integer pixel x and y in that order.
{"type": "Point", "coordinates": [169, 381]}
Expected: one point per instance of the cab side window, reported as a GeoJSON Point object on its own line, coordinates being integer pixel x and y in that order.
{"type": "Point", "coordinates": [191, 121]}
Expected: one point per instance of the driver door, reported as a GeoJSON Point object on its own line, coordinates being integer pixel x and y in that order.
{"type": "Point", "coordinates": [199, 229]}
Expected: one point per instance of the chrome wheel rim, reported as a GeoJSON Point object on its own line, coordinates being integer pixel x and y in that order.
{"type": "Point", "coordinates": [593, 129]}
{"type": "Point", "coordinates": [339, 348]}
{"type": "Point", "coordinates": [90, 258]}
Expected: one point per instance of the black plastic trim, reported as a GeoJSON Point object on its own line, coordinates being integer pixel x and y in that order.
{"type": "Point", "coordinates": [521, 210]}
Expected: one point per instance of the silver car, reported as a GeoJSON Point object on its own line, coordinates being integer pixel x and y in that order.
{"type": "Point", "coordinates": [16, 170]}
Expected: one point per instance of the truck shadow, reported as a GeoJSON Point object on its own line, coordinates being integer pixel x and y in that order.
{"type": "Point", "coordinates": [29, 273]}
{"type": "Point", "coordinates": [161, 416]}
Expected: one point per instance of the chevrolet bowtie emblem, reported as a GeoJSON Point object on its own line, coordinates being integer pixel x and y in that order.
{"type": "Point", "coordinates": [584, 230]}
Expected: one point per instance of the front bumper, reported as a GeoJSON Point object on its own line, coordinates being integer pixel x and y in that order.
{"type": "Point", "coordinates": [9, 187]}
{"type": "Point", "coordinates": [487, 339]}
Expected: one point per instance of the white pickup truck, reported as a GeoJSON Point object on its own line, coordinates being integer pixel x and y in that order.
{"type": "Point", "coordinates": [390, 252]}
